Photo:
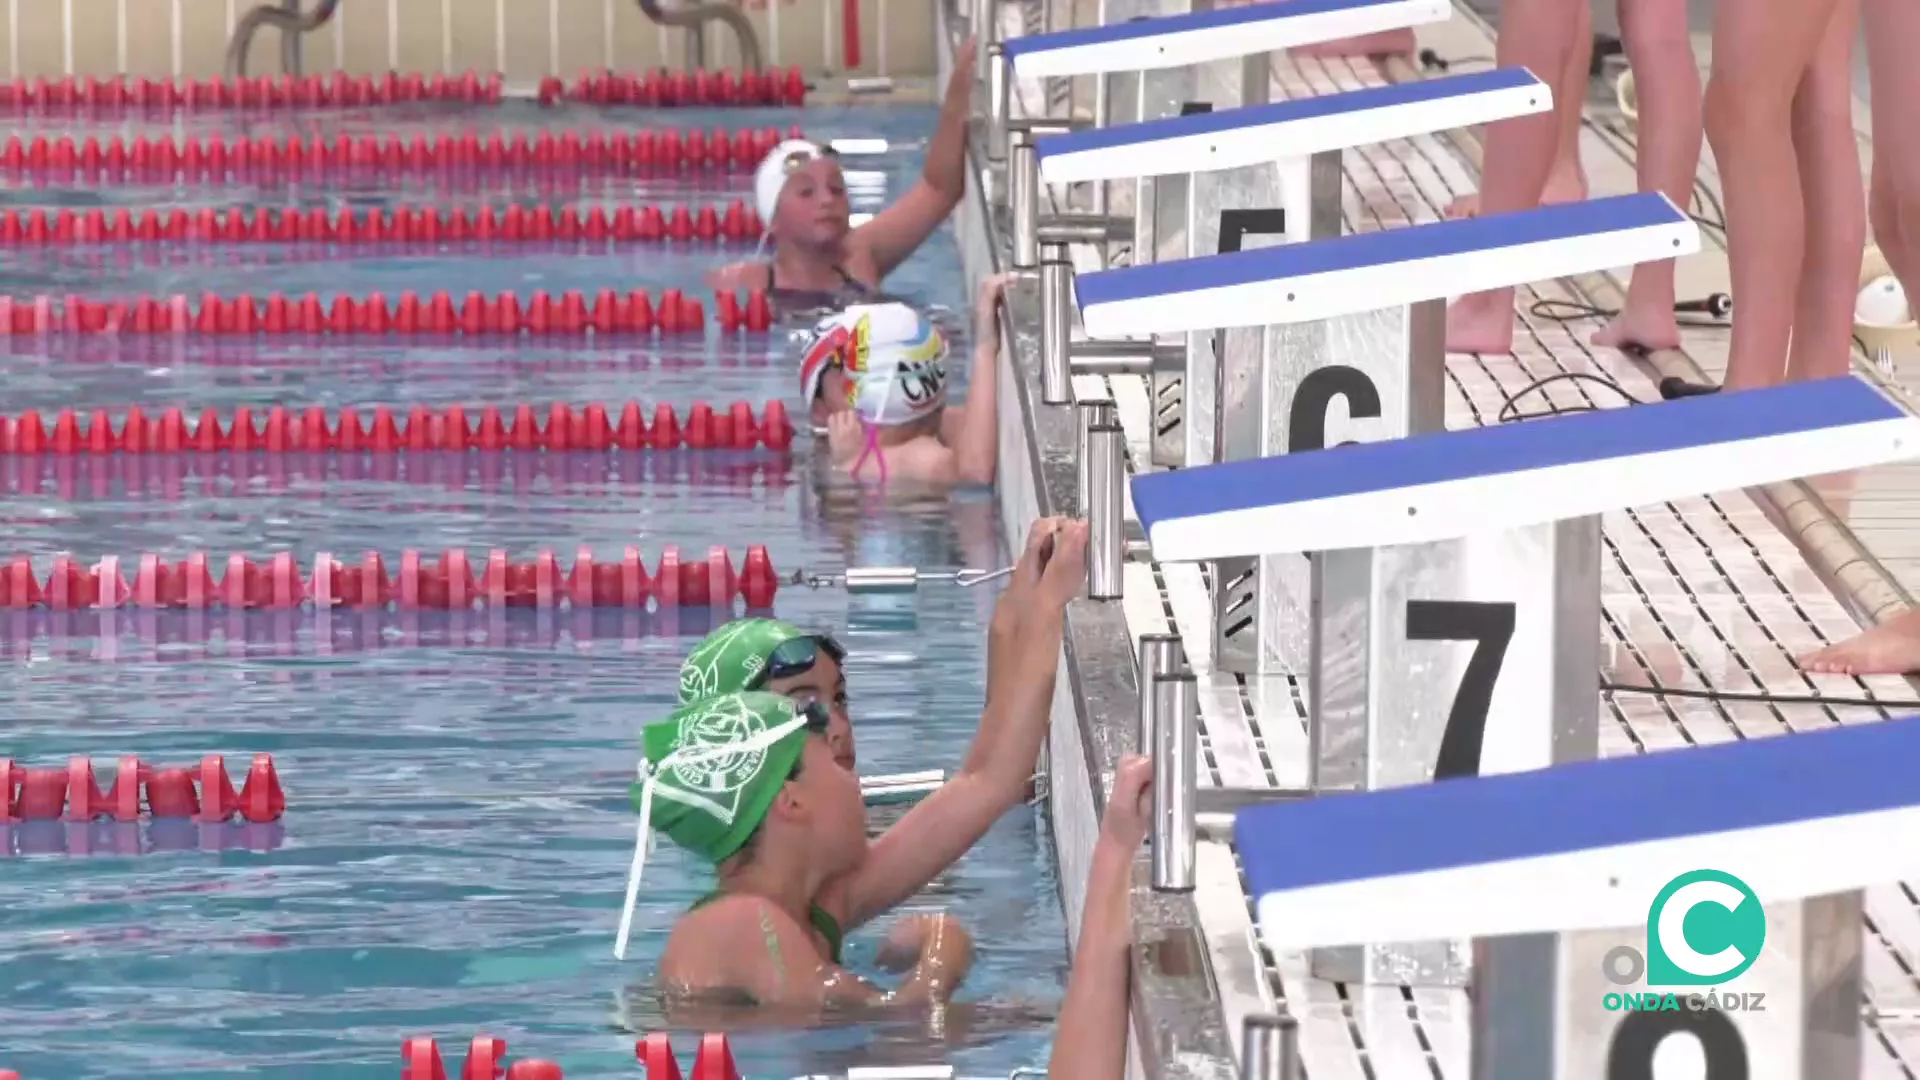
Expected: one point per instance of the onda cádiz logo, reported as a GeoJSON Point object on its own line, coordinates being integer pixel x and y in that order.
{"type": "Point", "coordinates": [1705, 928]}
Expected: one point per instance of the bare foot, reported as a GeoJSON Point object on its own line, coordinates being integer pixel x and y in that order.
{"type": "Point", "coordinates": [1641, 329]}
{"type": "Point", "coordinates": [1889, 649]}
{"type": "Point", "coordinates": [1481, 323]}
{"type": "Point", "coordinates": [1566, 185]}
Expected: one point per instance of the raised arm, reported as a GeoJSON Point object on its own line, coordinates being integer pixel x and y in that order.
{"type": "Point", "coordinates": [896, 232]}
{"type": "Point", "coordinates": [1091, 1043]}
{"type": "Point", "coordinates": [1021, 666]}
{"type": "Point", "coordinates": [973, 430]}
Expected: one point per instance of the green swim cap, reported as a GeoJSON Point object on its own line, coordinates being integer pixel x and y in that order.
{"type": "Point", "coordinates": [730, 658]}
{"type": "Point", "coordinates": [716, 766]}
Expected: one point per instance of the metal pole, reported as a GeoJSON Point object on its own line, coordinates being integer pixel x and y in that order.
{"type": "Point", "coordinates": [1094, 413]}
{"type": "Point", "coordinates": [1176, 752]}
{"type": "Point", "coordinates": [1160, 654]}
{"type": "Point", "coordinates": [986, 36]}
{"type": "Point", "coordinates": [1056, 324]}
{"type": "Point", "coordinates": [1106, 527]}
{"type": "Point", "coordinates": [696, 47]}
{"type": "Point", "coordinates": [1102, 117]}
{"type": "Point", "coordinates": [1023, 187]}
{"type": "Point", "coordinates": [999, 101]}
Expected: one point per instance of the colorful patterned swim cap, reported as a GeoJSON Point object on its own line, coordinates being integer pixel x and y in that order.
{"type": "Point", "coordinates": [895, 360]}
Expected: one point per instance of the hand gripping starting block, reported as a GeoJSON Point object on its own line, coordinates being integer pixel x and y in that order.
{"type": "Point", "coordinates": [1359, 320]}
{"type": "Point", "coordinates": [1741, 862]}
{"type": "Point", "coordinates": [1272, 169]}
{"type": "Point", "coordinates": [1456, 580]}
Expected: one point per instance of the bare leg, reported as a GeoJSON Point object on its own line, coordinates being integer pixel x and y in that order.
{"type": "Point", "coordinates": [1892, 648]}
{"type": "Point", "coordinates": [1566, 182]}
{"type": "Point", "coordinates": [1761, 50]}
{"type": "Point", "coordinates": [1892, 27]}
{"type": "Point", "coordinates": [1534, 34]}
{"type": "Point", "coordinates": [1668, 82]}
{"type": "Point", "coordinates": [1836, 212]}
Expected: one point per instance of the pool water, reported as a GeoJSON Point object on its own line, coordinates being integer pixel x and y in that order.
{"type": "Point", "coordinates": [458, 829]}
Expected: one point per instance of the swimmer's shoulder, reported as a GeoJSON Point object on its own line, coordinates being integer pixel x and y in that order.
{"type": "Point", "coordinates": [728, 942]}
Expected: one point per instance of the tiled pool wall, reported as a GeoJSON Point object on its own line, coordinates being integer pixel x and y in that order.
{"type": "Point", "coordinates": [1096, 701]}
{"type": "Point", "coordinates": [523, 40]}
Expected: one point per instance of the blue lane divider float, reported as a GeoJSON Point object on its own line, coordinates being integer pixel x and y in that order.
{"type": "Point", "coordinates": [1262, 134]}
{"type": "Point", "coordinates": [1346, 275]}
{"type": "Point", "coordinates": [1204, 36]}
{"type": "Point", "coordinates": [1459, 483]}
{"type": "Point", "coordinates": [1586, 846]}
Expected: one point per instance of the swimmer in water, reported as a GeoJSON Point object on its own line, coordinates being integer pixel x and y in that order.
{"type": "Point", "coordinates": [752, 782]}
{"type": "Point", "coordinates": [875, 376]}
{"type": "Point", "coordinates": [819, 260]}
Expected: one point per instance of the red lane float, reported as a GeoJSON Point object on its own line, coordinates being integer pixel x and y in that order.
{"type": "Point", "coordinates": [664, 87]}
{"type": "Point", "coordinates": [374, 315]}
{"type": "Point", "coordinates": [204, 793]}
{"type": "Point", "coordinates": [712, 1061]}
{"type": "Point", "coordinates": [385, 430]}
{"type": "Point", "coordinates": [486, 1057]}
{"type": "Point", "coordinates": [595, 226]}
{"type": "Point", "coordinates": [172, 477]}
{"type": "Point", "coordinates": [215, 159]}
{"type": "Point", "coordinates": [448, 582]}
{"type": "Point", "coordinates": [659, 88]}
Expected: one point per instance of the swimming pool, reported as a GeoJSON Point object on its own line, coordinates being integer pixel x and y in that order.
{"type": "Point", "coordinates": [458, 829]}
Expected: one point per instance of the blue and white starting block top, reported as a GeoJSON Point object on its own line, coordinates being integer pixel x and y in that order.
{"type": "Point", "coordinates": [1324, 279]}
{"type": "Point", "coordinates": [1585, 846]}
{"type": "Point", "coordinates": [1283, 130]}
{"type": "Point", "coordinates": [1459, 483]}
{"type": "Point", "coordinates": [1205, 36]}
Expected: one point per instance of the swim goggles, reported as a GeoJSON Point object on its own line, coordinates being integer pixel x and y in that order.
{"type": "Point", "coordinates": [796, 656]}
{"type": "Point", "coordinates": [800, 157]}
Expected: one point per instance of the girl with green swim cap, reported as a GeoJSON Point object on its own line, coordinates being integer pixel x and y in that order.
{"type": "Point", "coordinates": [753, 781]}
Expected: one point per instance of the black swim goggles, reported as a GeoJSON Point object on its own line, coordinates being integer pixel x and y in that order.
{"type": "Point", "coordinates": [816, 717]}
{"type": "Point", "coordinates": [796, 656]}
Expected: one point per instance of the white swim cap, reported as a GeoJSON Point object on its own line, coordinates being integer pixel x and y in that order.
{"type": "Point", "coordinates": [1882, 302]}
{"type": "Point", "coordinates": [770, 179]}
{"type": "Point", "coordinates": [895, 360]}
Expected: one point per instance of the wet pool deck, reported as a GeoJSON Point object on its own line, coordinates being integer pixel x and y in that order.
{"type": "Point", "coordinates": [1717, 592]}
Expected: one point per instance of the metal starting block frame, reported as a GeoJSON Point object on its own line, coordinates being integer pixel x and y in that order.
{"type": "Point", "coordinates": [1456, 580]}
{"type": "Point", "coordinates": [1584, 886]}
{"type": "Point", "coordinates": [1355, 319]}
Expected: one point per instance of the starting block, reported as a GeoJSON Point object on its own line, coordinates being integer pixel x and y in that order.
{"type": "Point", "coordinates": [1344, 340]}
{"type": "Point", "coordinates": [1455, 579]}
{"type": "Point", "coordinates": [1743, 862]}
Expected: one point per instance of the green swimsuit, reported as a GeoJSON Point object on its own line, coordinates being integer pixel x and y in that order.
{"type": "Point", "coordinates": [828, 926]}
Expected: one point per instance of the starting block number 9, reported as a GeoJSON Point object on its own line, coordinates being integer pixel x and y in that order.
{"type": "Point", "coordinates": [1630, 1050]}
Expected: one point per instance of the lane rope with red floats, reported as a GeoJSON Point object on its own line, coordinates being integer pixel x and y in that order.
{"type": "Point", "coordinates": [400, 226]}
{"type": "Point", "coordinates": [409, 314]}
{"type": "Point", "coordinates": [486, 1057]}
{"type": "Point", "coordinates": [278, 429]}
{"type": "Point", "coordinates": [216, 159]}
{"type": "Point", "coordinates": [174, 477]}
{"type": "Point", "coordinates": [163, 637]}
{"type": "Point", "coordinates": [444, 582]}
{"type": "Point", "coordinates": [203, 793]}
{"type": "Point", "coordinates": [654, 89]}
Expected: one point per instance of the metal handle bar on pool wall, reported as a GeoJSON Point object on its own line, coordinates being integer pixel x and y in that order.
{"type": "Point", "coordinates": [712, 1060]}
{"type": "Point", "coordinates": [408, 315]}
{"type": "Point", "coordinates": [654, 89]}
{"type": "Point", "coordinates": [445, 583]}
{"type": "Point", "coordinates": [247, 158]}
{"type": "Point", "coordinates": [598, 225]}
{"type": "Point", "coordinates": [278, 429]}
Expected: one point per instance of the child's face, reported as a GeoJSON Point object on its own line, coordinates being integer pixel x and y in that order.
{"type": "Point", "coordinates": [832, 397]}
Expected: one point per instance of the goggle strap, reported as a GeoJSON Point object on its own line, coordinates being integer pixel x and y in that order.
{"type": "Point", "coordinates": [648, 775]}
